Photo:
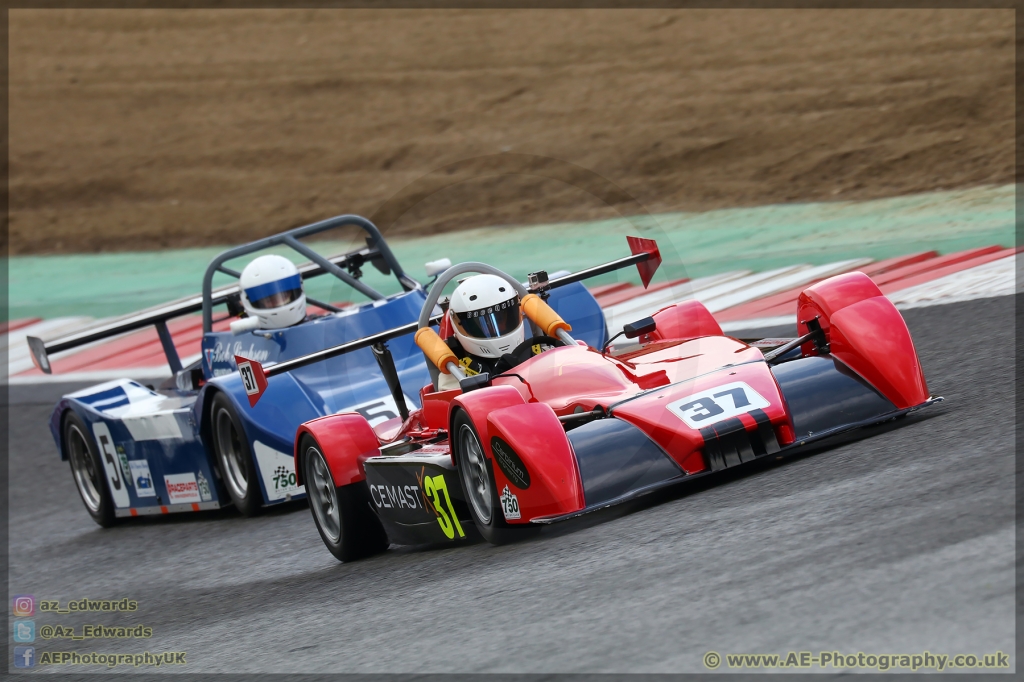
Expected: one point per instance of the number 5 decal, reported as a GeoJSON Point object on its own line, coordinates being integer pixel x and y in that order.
{"type": "Point", "coordinates": [379, 410]}
{"type": "Point", "coordinates": [718, 403]}
{"type": "Point", "coordinates": [117, 488]}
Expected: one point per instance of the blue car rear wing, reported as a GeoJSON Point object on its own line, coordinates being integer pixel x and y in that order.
{"type": "Point", "coordinates": [376, 252]}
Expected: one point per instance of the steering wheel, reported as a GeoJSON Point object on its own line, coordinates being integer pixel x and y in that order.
{"type": "Point", "coordinates": [524, 352]}
{"type": "Point", "coordinates": [447, 276]}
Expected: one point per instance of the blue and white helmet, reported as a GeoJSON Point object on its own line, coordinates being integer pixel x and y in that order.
{"type": "Point", "coordinates": [272, 292]}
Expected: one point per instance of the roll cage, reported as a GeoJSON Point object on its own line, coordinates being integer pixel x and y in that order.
{"type": "Point", "coordinates": [346, 267]}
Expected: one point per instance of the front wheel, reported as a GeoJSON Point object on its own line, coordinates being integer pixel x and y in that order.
{"type": "Point", "coordinates": [341, 513]}
{"type": "Point", "coordinates": [234, 460]}
{"type": "Point", "coordinates": [87, 469]}
{"type": "Point", "coordinates": [478, 485]}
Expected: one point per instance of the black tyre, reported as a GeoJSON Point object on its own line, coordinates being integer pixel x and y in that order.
{"type": "Point", "coordinates": [478, 485]}
{"type": "Point", "coordinates": [87, 470]}
{"type": "Point", "coordinates": [342, 514]}
{"type": "Point", "coordinates": [234, 460]}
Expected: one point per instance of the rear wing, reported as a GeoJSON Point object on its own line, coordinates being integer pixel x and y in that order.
{"type": "Point", "coordinates": [345, 267]}
{"type": "Point", "coordinates": [646, 257]}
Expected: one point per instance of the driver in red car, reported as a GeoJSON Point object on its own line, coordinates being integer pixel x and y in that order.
{"type": "Point", "coordinates": [488, 329]}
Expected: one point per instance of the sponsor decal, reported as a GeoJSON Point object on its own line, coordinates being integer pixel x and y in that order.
{"type": "Point", "coordinates": [396, 496]}
{"type": "Point", "coordinates": [509, 505]}
{"type": "Point", "coordinates": [715, 404]}
{"type": "Point", "coordinates": [204, 487]}
{"type": "Point", "coordinates": [141, 477]}
{"type": "Point", "coordinates": [467, 366]}
{"type": "Point", "coordinates": [124, 465]}
{"type": "Point", "coordinates": [284, 478]}
{"type": "Point", "coordinates": [182, 488]}
{"type": "Point", "coordinates": [435, 492]}
{"type": "Point", "coordinates": [111, 465]}
{"type": "Point", "coordinates": [278, 472]}
{"type": "Point", "coordinates": [427, 500]}
{"type": "Point", "coordinates": [510, 464]}
{"type": "Point", "coordinates": [226, 352]}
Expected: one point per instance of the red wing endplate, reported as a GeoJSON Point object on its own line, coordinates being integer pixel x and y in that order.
{"type": "Point", "coordinates": [648, 267]}
{"type": "Point", "coordinates": [253, 378]}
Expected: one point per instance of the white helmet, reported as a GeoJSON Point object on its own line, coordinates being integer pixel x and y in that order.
{"type": "Point", "coordinates": [272, 292]}
{"type": "Point", "coordinates": [485, 316]}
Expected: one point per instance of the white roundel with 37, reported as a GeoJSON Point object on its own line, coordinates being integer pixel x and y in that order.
{"type": "Point", "coordinates": [715, 404]}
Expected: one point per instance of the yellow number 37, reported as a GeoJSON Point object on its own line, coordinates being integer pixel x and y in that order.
{"type": "Point", "coordinates": [433, 486]}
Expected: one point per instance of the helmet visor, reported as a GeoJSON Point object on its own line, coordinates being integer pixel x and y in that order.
{"type": "Point", "coordinates": [275, 294]}
{"type": "Point", "coordinates": [276, 300]}
{"type": "Point", "coordinates": [490, 322]}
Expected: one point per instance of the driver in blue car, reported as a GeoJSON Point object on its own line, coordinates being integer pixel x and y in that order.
{"type": "Point", "coordinates": [272, 293]}
{"type": "Point", "coordinates": [489, 334]}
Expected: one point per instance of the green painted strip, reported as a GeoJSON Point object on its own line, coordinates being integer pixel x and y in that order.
{"type": "Point", "coordinates": [693, 244]}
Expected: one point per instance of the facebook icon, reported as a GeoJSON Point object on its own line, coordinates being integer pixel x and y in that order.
{"type": "Point", "coordinates": [24, 656]}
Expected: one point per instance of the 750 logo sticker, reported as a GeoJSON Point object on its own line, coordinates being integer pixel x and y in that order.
{"type": "Point", "coordinates": [509, 505]}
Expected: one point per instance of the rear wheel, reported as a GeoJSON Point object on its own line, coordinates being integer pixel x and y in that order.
{"type": "Point", "coordinates": [478, 485]}
{"type": "Point", "coordinates": [231, 448]}
{"type": "Point", "coordinates": [341, 513]}
{"type": "Point", "coordinates": [87, 470]}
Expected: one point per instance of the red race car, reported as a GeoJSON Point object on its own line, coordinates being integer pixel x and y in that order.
{"type": "Point", "coordinates": [574, 429]}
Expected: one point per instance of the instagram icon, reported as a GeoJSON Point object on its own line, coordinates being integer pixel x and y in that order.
{"type": "Point", "coordinates": [24, 605]}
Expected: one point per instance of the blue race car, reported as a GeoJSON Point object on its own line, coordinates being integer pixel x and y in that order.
{"type": "Point", "coordinates": [187, 445]}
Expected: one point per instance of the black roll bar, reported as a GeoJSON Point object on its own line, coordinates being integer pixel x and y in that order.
{"type": "Point", "coordinates": [376, 250]}
{"type": "Point", "coordinates": [291, 238]}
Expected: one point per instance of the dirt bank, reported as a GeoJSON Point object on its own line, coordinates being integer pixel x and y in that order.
{"type": "Point", "coordinates": [148, 129]}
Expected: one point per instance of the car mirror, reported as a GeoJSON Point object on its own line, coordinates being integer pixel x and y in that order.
{"type": "Point", "coordinates": [482, 380]}
{"type": "Point", "coordinates": [436, 267]}
{"type": "Point", "coordinates": [639, 328]}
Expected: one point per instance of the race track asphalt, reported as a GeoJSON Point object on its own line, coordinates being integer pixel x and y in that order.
{"type": "Point", "coordinates": [898, 542]}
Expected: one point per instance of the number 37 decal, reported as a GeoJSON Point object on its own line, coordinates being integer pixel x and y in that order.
{"type": "Point", "coordinates": [718, 403]}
